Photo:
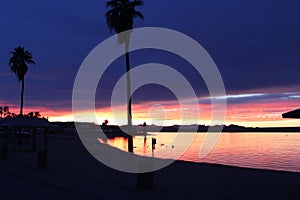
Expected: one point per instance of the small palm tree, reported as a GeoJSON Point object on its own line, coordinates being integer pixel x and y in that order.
{"type": "Point", "coordinates": [18, 65]}
{"type": "Point", "coordinates": [120, 17]}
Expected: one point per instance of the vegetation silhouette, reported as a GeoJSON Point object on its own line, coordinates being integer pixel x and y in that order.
{"type": "Point", "coordinates": [18, 65]}
{"type": "Point", "coordinates": [4, 112]}
{"type": "Point", "coordinates": [105, 123]}
{"type": "Point", "coordinates": [120, 17]}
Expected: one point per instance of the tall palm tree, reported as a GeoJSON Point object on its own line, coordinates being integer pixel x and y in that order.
{"type": "Point", "coordinates": [120, 17]}
{"type": "Point", "coordinates": [18, 65]}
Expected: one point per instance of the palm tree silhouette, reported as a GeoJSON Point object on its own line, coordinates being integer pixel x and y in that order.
{"type": "Point", "coordinates": [18, 65]}
{"type": "Point", "coordinates": [120, 17]}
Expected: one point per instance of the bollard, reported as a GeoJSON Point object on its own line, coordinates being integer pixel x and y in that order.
{"type": "Point", "coordinates": [4, 152]}
{"type": "Point", "coordinates": [42, 151]}
{"type": "Point", "coordinates": [42, 159]}
{"type": "Point", "coordinates": [146, 180]}
{"type": "Point", "coordinates": [33, 139]}
{"type": "Point", "coordinates": [4, 146]}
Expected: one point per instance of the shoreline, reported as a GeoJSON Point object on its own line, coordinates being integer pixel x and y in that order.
{"type": "Point", "coordinates": [238, 167]}
{"type": "Point", "coordinates": [74, 174]}
{"type": "Point", "coordinates": [76, 137]}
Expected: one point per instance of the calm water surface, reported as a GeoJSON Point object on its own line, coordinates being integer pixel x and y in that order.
{"type": "Point", "coordinates": [278, 151]}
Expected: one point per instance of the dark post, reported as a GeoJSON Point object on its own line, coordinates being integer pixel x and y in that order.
{"type": "Point", "coordinates": [145, 180]}
{"type": "Point", "coordinates": [42, 153]}
{"type": "Point", "coordinates": [4, 146]}
{"type": "Point", "coordinates": [34, 139]}
{"type": "Point", "coordinates": [20, 135]}
{"type": "Point", "coordinates": [42, 160]}
{"type": "Point", "coordinates": [15, 139]}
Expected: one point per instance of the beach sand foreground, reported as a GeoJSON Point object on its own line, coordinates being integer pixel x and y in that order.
{"type": "Point", "coordinates": [74, 174]}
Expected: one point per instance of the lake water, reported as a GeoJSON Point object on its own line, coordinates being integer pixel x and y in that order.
{"type": "Point", "coordinates": [277, 151]}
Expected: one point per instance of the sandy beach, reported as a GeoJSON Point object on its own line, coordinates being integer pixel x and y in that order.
{"type": "Point", "coordinates": [140, 84]}
{"type": "Point", "coordinates": [74, 174]}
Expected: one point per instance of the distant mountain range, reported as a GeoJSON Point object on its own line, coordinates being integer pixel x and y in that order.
{"type": "Point", "coordinates": [182, 128]}
{"type": "Point", "coordinates": [231, 128]}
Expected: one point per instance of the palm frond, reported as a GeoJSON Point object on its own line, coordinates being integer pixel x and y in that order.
{"type": "Point", "coordinates": [122, 13]}
{"type": "Point", "coordinates": [19, 60]}
{"type": "Point", "coordinates": [136, 3]}
{"type": "Point", "coordinates": [112, 3]}
{"type": "Point", "coordinates": [138, 14]}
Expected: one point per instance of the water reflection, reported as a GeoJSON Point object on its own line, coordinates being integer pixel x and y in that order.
{"type": "Point", "coordinates": [279, 151]}
{"type": "Point", "coordinates": [145, 145]}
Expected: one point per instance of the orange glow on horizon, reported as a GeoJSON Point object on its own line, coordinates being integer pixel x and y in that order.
{"type": "Point", "coordinates": [255, 114]}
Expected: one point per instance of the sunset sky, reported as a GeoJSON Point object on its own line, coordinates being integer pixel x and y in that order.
{"type": "Point", "coordinates": [255, 44]}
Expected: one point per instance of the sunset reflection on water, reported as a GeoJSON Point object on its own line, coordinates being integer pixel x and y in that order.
{"type": "Point", "coordinates": [278, 151]}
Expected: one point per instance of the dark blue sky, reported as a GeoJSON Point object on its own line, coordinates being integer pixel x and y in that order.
{"type": "Point", "coordinates": [255, 44]}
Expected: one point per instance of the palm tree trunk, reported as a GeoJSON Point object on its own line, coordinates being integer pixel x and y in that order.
{"type": "Point", "coordinates": [22, 98]}
{"type": "Point", "coordinates": [129, 116]}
